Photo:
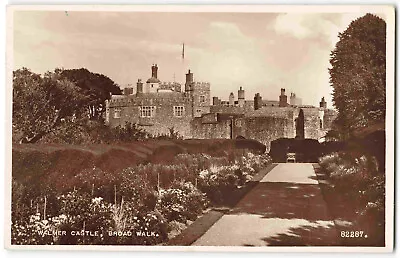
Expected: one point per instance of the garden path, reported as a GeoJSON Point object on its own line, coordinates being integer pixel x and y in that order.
{"type": "Point", "coordinates": [286, 208]}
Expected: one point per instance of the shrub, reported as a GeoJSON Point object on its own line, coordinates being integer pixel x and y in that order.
{"type": "Point", "coordinates": [149, 222]}
{"type": "Point", "coordinates": [181, 203]}
{"type": "Point", "coordinates": [218, 182]}
{"type": "Point", "coordinates": [95, 181]}
{"type": "Point", "coordinates": [354, 175]}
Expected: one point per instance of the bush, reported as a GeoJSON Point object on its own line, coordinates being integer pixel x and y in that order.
{"type": "Point", "coordinates": [219, 182]}
{"type": "Point", "coordinates": [354, 175]}
{"type": "Point", "coordinates": [181, 203]}
{"type": "Point", "coordinates": [155, 198]}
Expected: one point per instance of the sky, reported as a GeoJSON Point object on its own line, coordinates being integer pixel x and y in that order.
{"type": "Point", "coordinates": [262, 52]}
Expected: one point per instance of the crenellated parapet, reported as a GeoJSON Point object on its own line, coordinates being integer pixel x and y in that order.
{"type": "Point", "coordinates": [148, 98]}
{"type": "Point", "coordinates": [201, 84]}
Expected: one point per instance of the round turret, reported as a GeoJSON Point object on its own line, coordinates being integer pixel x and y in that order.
{"type": "Point", "coordinates": [153, 80]}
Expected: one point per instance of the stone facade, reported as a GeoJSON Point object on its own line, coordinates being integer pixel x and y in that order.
{"type": "Point", "coordinates": [264, 120]}
{"type": "Point", "coordinates": [164, 106]}
{"type": "Point", "coordinates": [159, 106]}
{"type": "Point", "coordinates": [154, 112]}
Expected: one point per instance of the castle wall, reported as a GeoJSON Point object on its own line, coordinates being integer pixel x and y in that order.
{"type": "Point", "coordinates": [226, 109]}
{"type": "Point", "coordinates": [209, 118]}
{"type": "Point", "coordinates": [284, 112]}
{"type": "Point", "coordinates": [216, 130]}
{"type": "Point", "coordinates": [267, 129]}
{"type": "Point", "coordinates": [261, 128]}
{"type": "Point", "coordinates": [311, 123]}
{"type": "Point", "coordinates": [163, 114]}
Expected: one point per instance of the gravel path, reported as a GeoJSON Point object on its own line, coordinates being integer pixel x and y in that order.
{"type": "Point", "coordinates": [285, 208]}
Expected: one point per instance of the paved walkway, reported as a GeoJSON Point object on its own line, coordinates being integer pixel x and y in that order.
{"type": "Point", "coordinates": [285, 208]}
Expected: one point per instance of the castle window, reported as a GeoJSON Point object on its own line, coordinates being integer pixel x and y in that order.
{"type": "Point", "coordinates": [117, 113]}
{"type": "Point", "coordinates": [320, 124]}
{"type": "Point", "coordinates": [202, 98]}
{"type": "Point", "coordinates": [147, 111]}
{"type": "Point", "coordinates": [199, 111]}
{"type": "Point", "coordinates": [178, 111]}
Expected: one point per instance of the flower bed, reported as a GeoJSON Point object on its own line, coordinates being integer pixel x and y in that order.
{"type": "Point", "coordinates": [141, 205]}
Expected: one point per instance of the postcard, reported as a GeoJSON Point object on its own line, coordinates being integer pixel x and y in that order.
{"type": "Point", "coordinates": [254, 128]}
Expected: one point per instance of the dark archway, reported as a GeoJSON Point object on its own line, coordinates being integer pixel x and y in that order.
{"type": "Point", "coordinates": [300, 125]}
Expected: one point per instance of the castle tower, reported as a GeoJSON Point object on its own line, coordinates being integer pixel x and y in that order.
{"type": "Point", "coordinates": [322, 104]}
{"type": "Point", "coordinates": [189, 81]}
{"type": "Point", "coordinates": [257, 101]}
{"type": "Point", "coordinates": [231, 99]}
{"type": "Point", "coordinates": [139, 86]}
{"type": "Point", "coordinates": [283, 98]}
{"type": "Point", "coordinates": [199, 93]}
{"type": "Point", "coordinates": [241, 97]}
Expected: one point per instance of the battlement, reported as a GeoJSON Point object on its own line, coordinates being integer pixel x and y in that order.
{"type": "Point", "coordinates": [138, 99]}
{"type": "Point", "coordinates": [169, 83]}
{"type": "Point", "coordinates": [170, 86]}
{"type": "Point", "coordinates": [201, 84]}
{"type": "Point", "coordinates": [306, 106]}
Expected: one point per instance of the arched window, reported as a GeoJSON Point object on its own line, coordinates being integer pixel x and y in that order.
{"type": "Point", "coordinates": [320, 124]}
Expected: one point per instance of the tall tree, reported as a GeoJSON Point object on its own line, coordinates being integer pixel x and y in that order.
{"type": "Point", "coordinates": [358, 74]}
{"type": "Point", "coordinates": [96, 87]}
{"type": "Point", "coordinates": [42, 103]}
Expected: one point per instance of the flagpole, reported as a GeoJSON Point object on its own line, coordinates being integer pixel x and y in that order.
{"type": "Point", "coordinates": [183, 62]}
{"type": "Point", "coordinates": [183, 51]}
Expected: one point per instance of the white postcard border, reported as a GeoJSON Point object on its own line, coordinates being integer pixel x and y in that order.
{"type": "Point", "coordinates": [388, 10]}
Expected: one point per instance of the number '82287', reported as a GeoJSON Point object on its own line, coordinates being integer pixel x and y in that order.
{"type": "Point", "coordinates": [353, 234]}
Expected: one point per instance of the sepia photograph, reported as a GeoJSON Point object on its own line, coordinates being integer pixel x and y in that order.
{"type": "Point", "coordinates": [222, 128]}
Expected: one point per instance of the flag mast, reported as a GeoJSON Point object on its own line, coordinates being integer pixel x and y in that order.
{"type": "Point", "coordinates": [183, 52]}
{"type": "Point", "coordinates": [183, 63]}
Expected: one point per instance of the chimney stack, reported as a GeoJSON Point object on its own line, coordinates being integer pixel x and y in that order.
{"type": "Point", "coordinates": [154, 70]}
{"type": "Point", "coordinates": [283, 98]}
{"type": "Point", "coordinates": [322, 104]}
{"type": "Point", "coordinates": [231, 99]}
{"type": "Point", "coordinates": [139, 86]}
{"type": "Point", "coordinates": [189, 81]}
{"type": "Point", "coordinates": [216, 101]}
{"type": "Point", "coordinates": [241, 97]}
{"type": "Point", "coordinates": [257, 101]}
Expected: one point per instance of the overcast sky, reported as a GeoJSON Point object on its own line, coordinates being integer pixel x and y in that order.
{"type": "Point", "coordinates": [260, 52]}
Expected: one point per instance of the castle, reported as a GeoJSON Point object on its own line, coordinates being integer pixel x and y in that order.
{"type": "Point", "coordinates": [158, 106]}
